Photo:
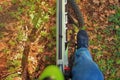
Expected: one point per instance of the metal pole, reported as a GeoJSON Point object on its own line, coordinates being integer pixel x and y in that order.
{"type": "Point", "coordinates": [62, 55]}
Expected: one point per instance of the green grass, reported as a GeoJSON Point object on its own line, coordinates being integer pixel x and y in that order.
{"type": "Point", "coordinates": [2, 25]}
{"type": "Point", "coordinates": [115, 26]}
{"type": "Point", "coordinates": [108, 62]}
{"type": "Point", "coordinates": [1, 35]}
{"type": "Point", "coordinates": [1, 8]}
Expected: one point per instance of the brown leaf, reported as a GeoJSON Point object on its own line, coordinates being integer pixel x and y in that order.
{"type": "Point", "coordinates": [111, 1]}
{"type": "Point", "coordinates": [17, 78]}
{"type": "Point", "coordinates": [90, 29]}
{"type": "Point", "coordinates": [96, 1]}
{"type": "Point", "coordinates": [118, 73]}
{"type": "Point", "coordinates": [2, 46]}
{"type": "Point", "coordinates": [93, 47]}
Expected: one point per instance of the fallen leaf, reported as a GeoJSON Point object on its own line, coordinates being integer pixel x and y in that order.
{"type": "Point", "coordinates": [96, 1]}
{"type": "Point", "coordinates": [90, 29]}
{"type": "Point", "coordinates": [17, 78]}
{"type": "Point", "coordinates": [2, 46]}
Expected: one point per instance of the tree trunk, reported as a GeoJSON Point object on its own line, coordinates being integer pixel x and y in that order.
{"type": "Point", "coordinates": [25, 73]}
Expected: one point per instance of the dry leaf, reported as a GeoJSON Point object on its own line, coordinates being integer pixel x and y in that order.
{"type": "Point", "coordinates": [17, 78]}
{"type": "Point", "coordinates": [96, 1]}
{"type": "Point", "coordinates": [2, 46]}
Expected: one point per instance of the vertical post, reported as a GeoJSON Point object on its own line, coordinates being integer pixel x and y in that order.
{"type": "Point", "coordinates": [62, 55]}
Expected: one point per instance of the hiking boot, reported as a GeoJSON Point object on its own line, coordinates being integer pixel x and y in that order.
{"type": "Point", "coordinates": [82, 39]}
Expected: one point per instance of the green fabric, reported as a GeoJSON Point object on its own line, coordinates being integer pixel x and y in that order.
{"type": "Point", "coordinates": [52, 71]}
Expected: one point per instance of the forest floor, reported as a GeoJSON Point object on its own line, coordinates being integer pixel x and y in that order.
{"type": "Point", "coordinates": [102, 22]}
